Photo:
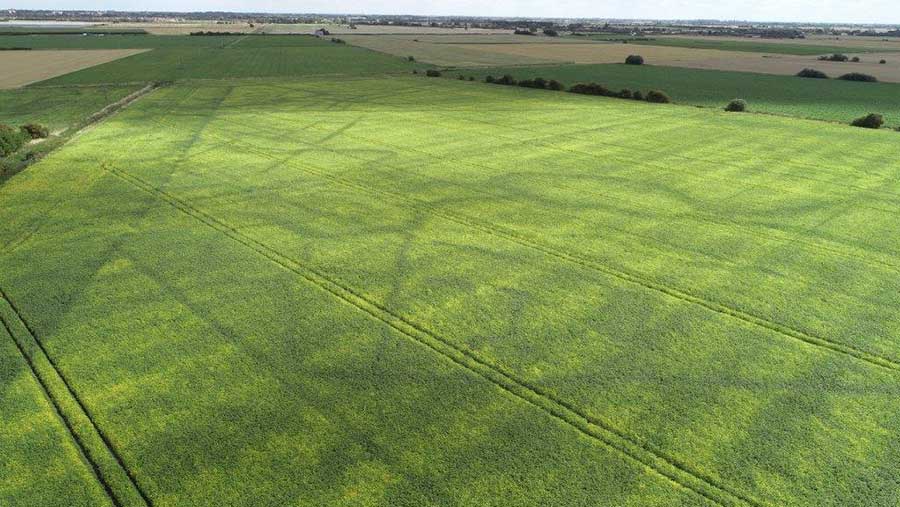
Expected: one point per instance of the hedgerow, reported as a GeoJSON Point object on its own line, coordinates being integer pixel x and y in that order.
{"type": "Point", "coordinates": [860, 77]}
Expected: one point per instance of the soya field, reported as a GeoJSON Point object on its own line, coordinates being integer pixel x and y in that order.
{"type": "Point", "coordinates": [317, 285]}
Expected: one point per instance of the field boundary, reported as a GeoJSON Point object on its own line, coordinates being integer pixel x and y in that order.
{"type": "Point", "coordinates": [668, 467]}
{"type": "Point", "coordinates": [619, 273]}
{"type": "Point", "coordinates": [105, 462]}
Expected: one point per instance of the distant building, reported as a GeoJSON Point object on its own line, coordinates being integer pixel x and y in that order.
{"type": "Point", "coordinates": [321, 32]}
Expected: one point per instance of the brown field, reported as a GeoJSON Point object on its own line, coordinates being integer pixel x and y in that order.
{"type": "Point", "coordinates": [693, 58]}
{"type": "Point", "coordinates": [448, 50]}
{"type": "Point", "coordinates": [24, 67]}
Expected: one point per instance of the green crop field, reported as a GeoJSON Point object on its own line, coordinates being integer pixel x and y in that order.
{"type": "Point", "coordinates": [136, 41]}
{"type": "Point", "coordinates": [57, 108]}
{"type": "Point", "coordinates": [366, 292]}
{"type": "Point", "coordinates": [238, 61]}
{"type": "Point", "coordinates": [820, 99]}
{"type": "Point", "coordinates": [751, 46]}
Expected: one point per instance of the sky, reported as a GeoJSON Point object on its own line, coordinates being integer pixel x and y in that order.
{"type": "Point", "coordinates": [837, 11]}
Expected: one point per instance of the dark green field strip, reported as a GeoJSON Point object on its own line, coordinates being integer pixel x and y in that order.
{"type": "Point", "coordinates": [569, 255]}
{"type": "Point", "coordinates": [157, 41]}
{"type": "Point", "coordinates": [252, 62]}
{"type": "Point", "coordinates": [618, 352]}
{"type": "Point", "coordinates": [831, 100]}
{"type": "Point", "coordinates": [56, 108]}
{"type": "Point", "coordinates": [312, 374]}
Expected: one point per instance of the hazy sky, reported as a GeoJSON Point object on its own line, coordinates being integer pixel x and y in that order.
{"type": "Point", "coordinates": [870, 11]}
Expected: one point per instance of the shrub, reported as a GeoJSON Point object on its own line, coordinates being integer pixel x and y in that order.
{"type": "Point", "coordinates": [590, 89]}
{"type": "Point", "coordinates": [471, 78]}
{"type": "Point", "coordinates": [869, 121]}
{"type": "Point", "coordinates": [812, 73]}
{"type": "Point", "coordinates": [433, 73]}
{"type": "Point", "coordinates": [634, 60]}
{"type": "Point", "coordinates": [637, 95]}
{"type": "Point", "coordinates": [657, 97]}
{"type": "Point", "coordinates": [506, 80]}
{"type": "Point", "coordinates": [410, 58]}
{"type": "Point", "coordinates": [461, 77]}
{"type": "Point", "coordinates": [10, 140]}
{"type": "Point", "coordinates": [489, 79]}
{"type": "Point", "coordinates": [736, 106]}
{"type": "Point", "coordinates": [555, 85]}
{"type": "Point", "coordinates": [837, 57]}
{"type": "Point", "coordinates": [882, 62]}
{"type": "Point", "coordinates": [35, 131]}
{"type": "Point", "coordinates": [856, 76]}
{"type": "Point", "coordinates": [626, 94]}
{"type": "Point", "coordinates": [551, 33]}
{"type": "Point", "coordinates": [855, 59]}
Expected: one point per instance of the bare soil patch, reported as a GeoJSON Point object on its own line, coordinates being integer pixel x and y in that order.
{"type": "Point", "coordinates": [24, 67]}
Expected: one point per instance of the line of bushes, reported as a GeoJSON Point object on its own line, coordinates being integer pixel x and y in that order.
{"type": "Point", "coordinates": [836, 57]}
{"type": "Point", "coordinates": [213, 34]}
{"type": "Point", "coordinates": [852, 76]}
{"type": "Point", "coordinates": [11, 139]}
{"type": "Point", "coordinates": [597, 89]}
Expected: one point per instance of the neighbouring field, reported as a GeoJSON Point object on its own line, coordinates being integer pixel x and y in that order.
{"type": "Point", "coordinates": [440, 51]}
{"type": "Point", "coordinates": [154, 41]}
{"type": "Point", "coordinates": [778, 46]}
{"type": "Point", "coordinates": [184, 28]}
{"type": "Point", "coordinates": [691, 58]}
{"type": "Point", "coordinates": [57, 108]}
{"type": "Point", "coordinates": [376, 29]}
{"type": "Point", "coordinates": [841, 44]}
{"type": "Point", "coordinates": [820, 99]}
{"type": "Point", "coordinates": [23, 67]}
{"type": "Point", "coordinates": [245, 57]}
{"type": "Point", "coordinates": [365, 292]}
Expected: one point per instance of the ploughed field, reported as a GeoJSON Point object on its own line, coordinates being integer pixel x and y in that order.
{"type": "Point", "coordinates": [416, 291]}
